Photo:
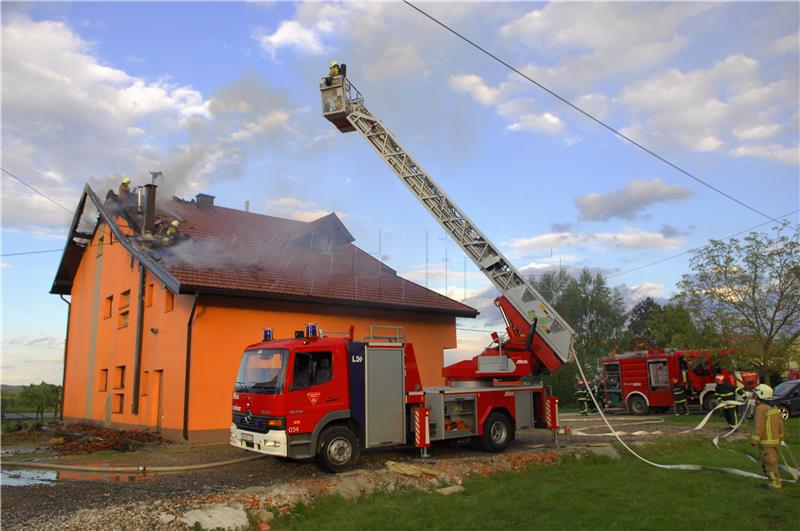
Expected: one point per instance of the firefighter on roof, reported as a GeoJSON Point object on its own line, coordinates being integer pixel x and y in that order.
{"type": "Point", "coordinates": [583, 397]}
{"type": "Point", "coordinates": [725, 392]}
{"type": "Point", "coordinates": [679, 398]}
{"type": "Point", "coordinates": [767, 433]}
{"type": "Point", "coordinates": [124, 189]}
{"type": "Point", "coordinates": [167, 233]}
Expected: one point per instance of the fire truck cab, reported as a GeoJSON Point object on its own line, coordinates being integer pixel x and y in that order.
{"type": "Point", "coordinates": [331, 397]}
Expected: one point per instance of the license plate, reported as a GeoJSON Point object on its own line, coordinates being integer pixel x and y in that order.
{"type": "Point", "coordinates": [246, 437]}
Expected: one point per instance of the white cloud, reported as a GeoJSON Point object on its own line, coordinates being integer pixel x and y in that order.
{"type": "Point", "coordinates": [788, 43]}
{"type": "Point", "coordinates": [399, 60]}
{"type": "Point", "coordinates": [777, 152]}
{"type": "Point", "coordinates": [697, 110]}
{"type": "Point", "coordinates": [627, 239]}
{"type": "Point", "coordinates": [626, 203]}
{"type": "Point", "coordinates": [298, 209]}
{"type": "Point", "coordinates": [69, 118]}
{"type": "Point", "coordinates": [293, 34]}
{"type": "Point", "coordinates": [522, 113]}
{"type": "Point", "coordinates": [599, 41]}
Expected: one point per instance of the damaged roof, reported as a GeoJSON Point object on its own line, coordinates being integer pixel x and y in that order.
{"type": "Point", "coordinates": [225, 251]}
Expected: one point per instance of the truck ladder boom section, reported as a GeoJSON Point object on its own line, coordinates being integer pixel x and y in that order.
{"type": "Point", "coordinates": [344, 106]}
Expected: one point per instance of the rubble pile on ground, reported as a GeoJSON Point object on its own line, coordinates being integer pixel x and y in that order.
{"type": "Point", "coordinates": [83, 438]}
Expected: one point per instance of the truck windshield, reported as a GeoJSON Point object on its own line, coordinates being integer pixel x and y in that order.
{"type": "Point", "coordinates": [262, 371]}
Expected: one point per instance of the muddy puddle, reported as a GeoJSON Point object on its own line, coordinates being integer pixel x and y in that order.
{"type": "Point", "coordinates": [22, 477]}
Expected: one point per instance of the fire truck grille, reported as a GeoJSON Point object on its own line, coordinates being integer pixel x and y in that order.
{"type": "Point", "coordinates": [249, 422]}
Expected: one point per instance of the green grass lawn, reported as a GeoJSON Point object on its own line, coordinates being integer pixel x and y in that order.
{"type": "Point", "coordinates": [587, 493]}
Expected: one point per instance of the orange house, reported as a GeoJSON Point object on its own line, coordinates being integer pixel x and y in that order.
{"type": "Point", "coordinates": [156, 329]}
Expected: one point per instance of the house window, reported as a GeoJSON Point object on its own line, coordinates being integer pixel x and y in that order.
{"type": "Point", "coordinates": [107, 305]}
{"type": "Point", "coordinates": [119, 377]}
{"type": "Point", "coordinates": [116, 402]}
{"type": "Point", "coordinates": [102, 381]}
{"type": "Point", "coordinates": [125, 299]}
{"type": "Point", "coordinates": [311, 368]}
{"type": "Point", "coordinates": [145, 382]}
{"type": "Point", "coordinates": [122, 320]}
{"type": "Point", "coordinates": [169, 302]}
{"type": "Point", "coordinates": [148, 295]}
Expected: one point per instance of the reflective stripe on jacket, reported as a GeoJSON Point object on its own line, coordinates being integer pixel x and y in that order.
{"type": "Point", "coordinates": [768, 425]}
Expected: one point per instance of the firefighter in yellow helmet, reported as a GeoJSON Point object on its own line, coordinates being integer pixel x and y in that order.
{"type": "Point", "coordinates": [169, 232]}
{"type": "Point", "coordinates": [767, 433]}
{"type": "Point", "coordinates": [124, 189]}
{"type": "Point", "coordinates": [334, 70]}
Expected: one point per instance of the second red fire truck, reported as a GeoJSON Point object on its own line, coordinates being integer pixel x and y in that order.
{"type": "Point", "coordinates": [641, 381]}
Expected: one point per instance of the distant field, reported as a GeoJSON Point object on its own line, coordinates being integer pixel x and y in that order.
{"type": "Point", "coordinates": [587, 493]}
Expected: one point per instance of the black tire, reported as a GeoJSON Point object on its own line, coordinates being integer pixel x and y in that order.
{"type": "Point", "coordinates": [497, 433]}
{"type": "Point", "coordinates": [784, 412]}
{"type": "Point", "coordinates": [709, 402]}
{"type": "Point", "coordinates": [338, 449]}
{"type": "Point", "coordinates": [637, 405]}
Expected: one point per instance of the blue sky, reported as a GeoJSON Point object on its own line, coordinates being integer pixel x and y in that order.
{"type": "Point", "coordinates": [223, 98]}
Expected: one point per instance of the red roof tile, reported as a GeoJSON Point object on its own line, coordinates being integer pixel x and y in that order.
{"type": "Point", "coordinates": [230, 251]}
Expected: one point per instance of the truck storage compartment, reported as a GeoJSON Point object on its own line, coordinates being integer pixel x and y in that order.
{"type": "Point", "coordinates": [385, 396]}
{"type": "Point", "coordinates": [459, 416]}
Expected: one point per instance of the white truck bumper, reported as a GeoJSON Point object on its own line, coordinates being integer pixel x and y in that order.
{"type": "Point", "coordinates": [271, 443]}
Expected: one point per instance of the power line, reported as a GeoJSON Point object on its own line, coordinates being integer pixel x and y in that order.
{"type": "Point", "coordinates": [32, 252]}
{"type": "Point", "coordinates": [591, 117]}
{"type": "Point", "coordinates": [35, 190]}
{"type": "Point", "coordinates": [691, 251]}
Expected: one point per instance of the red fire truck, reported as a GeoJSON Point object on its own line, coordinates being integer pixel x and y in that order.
{"type": "Point", "coordinates": [642, 381]}
{"type": "Point", "coordinates": [329, 398]}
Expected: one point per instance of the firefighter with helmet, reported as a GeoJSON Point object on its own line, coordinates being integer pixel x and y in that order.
{"type": "Point", "coordinates": [582, 394]}
{"type": "Point", "coordinates": [679, 398]}
{"type": "Point", "coordinates": [167, 234]}
{"type": "Point", "coordinates": [334, 70]}
{"type": "Point", "coordinates": [725, 392]}
{"type": "Point", "coordinates": [767, 433]}
{"type": "Point", "coordinates": [124, 189]}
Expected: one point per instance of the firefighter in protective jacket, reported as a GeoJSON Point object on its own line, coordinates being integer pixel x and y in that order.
{"type": "Point", "coordinates": [726, 392]}
{"type": "Point", "coordinates": [679, 398]}
{"type": "Point", "coordinates": [582, 394]}
{"type": "Point", "coordinates": [767, 433]}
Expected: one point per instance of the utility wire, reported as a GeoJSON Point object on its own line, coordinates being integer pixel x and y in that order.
{"type": "Point", "coordinates": [691, 251]}
{"type": "Point", "coordinates": [591, 117]}
{"type": "Point", "coordinates": [32, 252]}
{"type": "Point", "coordinates": [35, 190]}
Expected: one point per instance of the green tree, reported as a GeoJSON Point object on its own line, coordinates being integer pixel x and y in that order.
{"type": "Point", "coordinates": [639, 325]}
{"type": "Point", "coordinates": [596, 313]}
{"type": "Point", "coordinates": [41, 397]}
{"type": "Point", "coordinates": [748, 292]}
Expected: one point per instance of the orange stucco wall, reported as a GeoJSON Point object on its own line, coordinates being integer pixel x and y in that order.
{"type": "Point", "coordinates": [222, 327]}
{"type": "Point", "coordinates": [99, 342]}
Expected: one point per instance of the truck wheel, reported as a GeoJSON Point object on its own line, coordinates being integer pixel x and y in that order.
{"type": "Point", "coordinates": [497, 433]}
{"type": "Point", "coordinates": [338, 450]}
{"type": "Point", "coordinates": [709, 402]}
{"type": "Point", "coordinates": [637, 405]}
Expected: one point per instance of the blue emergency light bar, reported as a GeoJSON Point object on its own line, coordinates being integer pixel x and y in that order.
{"type": "Point", "coordinates": [311, 329]}
{"type": "Point", "coordinates": [267, 334]}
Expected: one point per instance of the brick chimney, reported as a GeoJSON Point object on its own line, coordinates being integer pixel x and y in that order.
{"type": "Point", "coordinates": [205, 201]}
{"type": "Point", "coordinates": [149, 208]}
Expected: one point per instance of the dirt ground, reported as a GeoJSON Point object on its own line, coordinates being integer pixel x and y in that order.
{"type": "Point", "coordinates": [38, 506]}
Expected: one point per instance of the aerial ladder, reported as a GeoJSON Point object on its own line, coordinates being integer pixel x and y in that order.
{"type": "Point", "coordinates": [537, 337]}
